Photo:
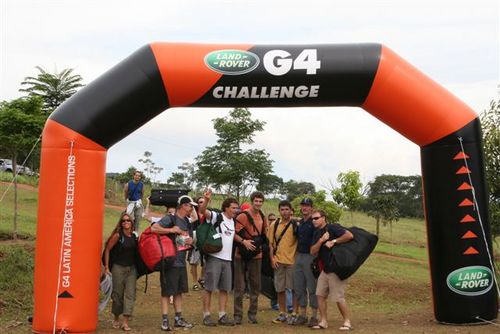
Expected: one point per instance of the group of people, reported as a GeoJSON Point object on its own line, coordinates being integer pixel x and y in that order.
{"type": "Point", "coordinates": [246, 235]}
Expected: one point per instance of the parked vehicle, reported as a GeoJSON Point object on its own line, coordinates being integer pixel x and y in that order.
{"type": "Point", "coordinates": [6, 166]}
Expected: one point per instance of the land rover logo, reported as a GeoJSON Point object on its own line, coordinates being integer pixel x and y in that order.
{"type": "Point", "coordinates": [232, 62]}
{"type": "Point", "coordinates": [470, 281]}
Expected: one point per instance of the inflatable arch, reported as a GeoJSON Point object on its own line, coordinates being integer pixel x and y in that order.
{"type": "Point", "coordinates": [165, 75]}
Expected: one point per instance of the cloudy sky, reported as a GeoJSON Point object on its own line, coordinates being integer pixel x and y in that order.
{"type": "Point", "coordinates": [455, 42]}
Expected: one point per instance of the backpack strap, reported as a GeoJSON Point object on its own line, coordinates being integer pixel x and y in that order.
{"type": "Point", "coordinates": [250, 219]}
{"type": "Point", "coordinates": [218, 221]}
{"type": "Point", "coordinates": [277, 241]}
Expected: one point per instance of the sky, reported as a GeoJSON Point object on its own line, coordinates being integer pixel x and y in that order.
{"type": "Point", "coordinates": [455, 42]}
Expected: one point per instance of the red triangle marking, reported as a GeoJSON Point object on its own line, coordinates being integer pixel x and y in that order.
{"type": "Point", "coordinates": [468, 219]}
{"type": "Point", "coordinates": [466, 202]}
{"type": "Point", "coordinates": [469, 235]}
{"type": "Point", "coordinates": [463, 170]}
{"type": "Point", "coordinates": [471, 251]}
{"type": "Point", "coordinates": [464, 186]}
{"type": "Point", "coordinates": [461, 155]}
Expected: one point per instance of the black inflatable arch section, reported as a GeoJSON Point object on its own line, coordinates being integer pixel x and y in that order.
{"type": "Point", "coordinates": [164, 75]}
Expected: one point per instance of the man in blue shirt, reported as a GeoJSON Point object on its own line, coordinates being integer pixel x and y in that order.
{"type": "Point", "coordinates": [304, 282]}
{"type": "Point", "coordinates": [134, 191]}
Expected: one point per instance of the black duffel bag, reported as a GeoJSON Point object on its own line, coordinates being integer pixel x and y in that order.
{"type": "Point", "coordinates": [166, 197]}
{"type": "Point", "coordinates": [346, 258]}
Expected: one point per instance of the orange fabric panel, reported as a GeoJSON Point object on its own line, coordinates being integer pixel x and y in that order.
{"type": "Point", "coordinates": [183, 70]}
{"type": "Point", "coordinates": [413, 104]}
{"type": "Point", "coordinates": [70, 219]}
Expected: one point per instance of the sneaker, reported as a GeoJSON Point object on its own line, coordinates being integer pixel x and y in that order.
{"type": "Point", "coordinates": [280, 319]}
{"type": "Point", "coordinates": [237, 320]}
{"type": "Point", "coordinates": [180, 322]}
{"type": "Point", "coordinates": [292, 319]}
{"type": "Point", "coordinates": [165, 326]}
{"type": "Point", "coordinates": [301, 320]}
{"type": "Point", "coordinates": [225, 321]}
{"type": "Point", "coordinates": [252, 319]}
{"type": "Point", "coordinates": [313, 322]}
{"type": "Point", "coordinates": [196, 287]}
{"type": "Point", "coordinates": [202, 283]}
{"type": "Point", "coordinates": [207, 321]}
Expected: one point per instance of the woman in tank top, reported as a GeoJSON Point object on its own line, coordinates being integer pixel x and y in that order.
{"type": "Point", "coordinates": [119, 261]}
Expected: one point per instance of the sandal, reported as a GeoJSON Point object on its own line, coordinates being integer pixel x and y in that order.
{"type": "Point", "coordinates": [115, 324]}
{"type": "Point", "coordinates": [126, 328]}
{"type": "Point", "coordinates": [346, 328]}
{"type": "Point", "coordinates": [319, 326]}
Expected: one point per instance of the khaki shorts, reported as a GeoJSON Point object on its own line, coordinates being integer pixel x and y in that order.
{"type": "Point", "coordinates": [283, 277]}
{"type": "Point", "coordinates": [330, 284]}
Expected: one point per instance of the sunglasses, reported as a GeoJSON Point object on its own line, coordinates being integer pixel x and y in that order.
{"type": "Point", "coordinates": [272, 219]}
{"type": "Point", "coordinates": [126, 220]}
{"type": "Point", "coordinates": [316, 218]}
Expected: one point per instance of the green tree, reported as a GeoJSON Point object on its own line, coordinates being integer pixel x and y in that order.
{"type": "Point", "coordinates": [53, 88]}
{"type": "Point", "coordinates": [406, 190]}
{"type": "Point", "coordinates": [349, 193]}
{"type": "Point", "coordinates": [490, 123]}
{"type": "Point", "coordinates": [333, 212]}
{"type": "Point", "coordinates": [384, 210]}
{"type": "Point", "coordinates": [270, 184]}
{"type": "Point", "coordinates": [151, 170]}
{"type": "Point", "coordinates": [185, 177]}
{"type": "Point", "coordinates": [21, 123]}
{"type": "Point", "coordinates": [125, 176]}
{"type": "Point", "coordinates": [292, 189]}
{"type": "Point", "coordinates": [230, 165]}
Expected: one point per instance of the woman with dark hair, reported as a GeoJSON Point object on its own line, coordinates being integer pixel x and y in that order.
{"type": "Point", "coordinates": [119, 261]}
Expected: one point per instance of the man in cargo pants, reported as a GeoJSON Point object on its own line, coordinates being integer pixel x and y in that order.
{"type": "Point", "coordinates": [134, 191]}
{"type": "Point", "coordinates": [304, 282]}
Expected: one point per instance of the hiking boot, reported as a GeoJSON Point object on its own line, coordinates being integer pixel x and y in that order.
{"type": "Point", "coordinates": [180, 322]}
{"type": "Point", "coordinates": [280, 319]}
{"type": "Point", "coordinates": [301, 320]}
{"type": "Point", "coordinates": [313, 322]}
{"type": "Point", "coordinates": [207, 321]}
{"type": "Point", "coordinates": [165, 326]}
{"type": "Point", "coordinates": [225, 321]}
{"type": "Point", "coordinates": [237, 320]}
{"type": "Point", "coordinates": [292, 319]}
{"type": "Point", "coordinates": [252, 319]}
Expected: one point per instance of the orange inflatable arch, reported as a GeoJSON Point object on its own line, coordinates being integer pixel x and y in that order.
{"type": "Point", "coordinates": [165, 75]}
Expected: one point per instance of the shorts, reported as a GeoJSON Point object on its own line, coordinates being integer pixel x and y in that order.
{"type": "Point", "coordinates": [331, 284]}
{"type": "Point", "coordinates": [194, 256]}
{"type": "Point", "coordinates": [218, 274]}
{"type": "Point", "coordinates": [173, 281]}
{"type": "Point", "coordinates": [283, 277]}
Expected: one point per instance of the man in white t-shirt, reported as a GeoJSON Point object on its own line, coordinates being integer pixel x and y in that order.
{"type": "Point", "coordinates": [218, 274]}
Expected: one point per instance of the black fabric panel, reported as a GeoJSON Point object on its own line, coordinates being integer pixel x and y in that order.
{"type": "Point", "coordinates": [345, 77]}
{"type": "Point", "coordinates": [118, 102]}
{"type": "Point", "coordinates": [445, 231]}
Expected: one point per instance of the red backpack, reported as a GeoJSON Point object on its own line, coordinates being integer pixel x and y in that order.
{"type": "Point", "coordinates": [154, 248]}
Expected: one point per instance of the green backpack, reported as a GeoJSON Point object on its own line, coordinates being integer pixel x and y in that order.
{"type": "Point", "coordinates": [209, 236]}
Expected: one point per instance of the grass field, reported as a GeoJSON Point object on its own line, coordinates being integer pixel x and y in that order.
{"type": "Point", "coordinates": [389, 294]}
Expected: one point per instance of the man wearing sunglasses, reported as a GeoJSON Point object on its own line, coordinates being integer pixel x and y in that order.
{"type": "Point", "coordinates": [325, 237]}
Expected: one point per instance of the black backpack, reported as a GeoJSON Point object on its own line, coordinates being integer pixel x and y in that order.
{"type": "Point", "coordinates": [344, 259]}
